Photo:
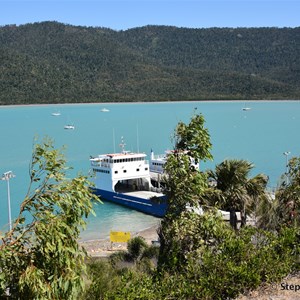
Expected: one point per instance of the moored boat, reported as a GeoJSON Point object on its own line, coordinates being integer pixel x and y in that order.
{"type": "Point", "coordinates": [124, 178]}
{"type": "Point", "coordinates": [69, 126]}
{"type": "Point", "coordinates": [157, 162]}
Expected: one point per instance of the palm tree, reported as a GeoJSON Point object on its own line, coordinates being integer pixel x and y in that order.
{"type": "Point", "coordinates": [269, 213]}
{"type": "Point", "coordinates": [234, 190]}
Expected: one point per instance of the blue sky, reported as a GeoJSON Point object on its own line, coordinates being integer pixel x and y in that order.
{"type": "Point", "coordinates": [124, 14]}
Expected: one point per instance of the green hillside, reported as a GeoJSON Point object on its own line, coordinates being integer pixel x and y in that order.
{"type": "Point", "coordinates": [50, 62]}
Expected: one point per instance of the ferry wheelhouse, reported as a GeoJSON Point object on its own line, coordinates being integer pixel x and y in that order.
{"type": "Point", "coordinates": [124, 178]}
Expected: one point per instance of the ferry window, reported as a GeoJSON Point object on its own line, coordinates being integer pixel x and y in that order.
{"type": "Point", "coordinates": [137, 170]}
{"type": "Point", "coordinates": [146, 169]}
{"type": "Point", "coordinates": [124, 171]}
{"type": "Point", "coordinates": [116, 172]}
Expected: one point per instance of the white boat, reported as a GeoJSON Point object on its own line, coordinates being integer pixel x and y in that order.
{"type": "Point", "coordinates": [69, 126]}
{"type": "Point", "coordinates": [157, 162]}
{"type": "Point", "coordinates": [124, 178]}
{"type": "Point", "coordinates": [104, 110]}
{"type": "Point", "coordinates": [246, 107]}
{"type": "Point", "coordinates": [56, 114]}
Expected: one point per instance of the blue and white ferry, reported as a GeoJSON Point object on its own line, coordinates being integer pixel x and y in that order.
{"type": "Point", "coordinates": [124, 178]}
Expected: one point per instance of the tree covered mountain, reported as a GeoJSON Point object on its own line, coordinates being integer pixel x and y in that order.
{"type": "Point", "coordinates": [50, 62]}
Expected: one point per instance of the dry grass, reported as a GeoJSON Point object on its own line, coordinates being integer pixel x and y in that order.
{"type": "Point", "coordinates": [277, 291]}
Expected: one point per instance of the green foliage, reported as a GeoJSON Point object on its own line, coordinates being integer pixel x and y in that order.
{"type": "Point", "coordinates": [283, 207]}
{"type": "Point", "coordinates": [101, 279]}
{"type": "Point", "coordinates": [184, 184]}
{"type": "Point", "coordinates": [50, 62]}
{"type": "Point", "coordinates": [220, 265]}
{"type": "Point", "coordinates": [288, 195]}
{"type": "Point", "coordinates": [184, 187]}
{"type": "Point", "coordinates": [191, 234]}
{"type": "Point", "coordinates": [134, 286]}
{"type": "Point", "coordinates": [194, 138]}
{"type": "Point", "coordinates": [139, 255]}
{"type": "Point", "coordinates": [40, 257]}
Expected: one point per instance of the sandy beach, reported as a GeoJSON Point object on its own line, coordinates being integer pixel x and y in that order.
{"type": "Point", "coordinates": [103, 247]}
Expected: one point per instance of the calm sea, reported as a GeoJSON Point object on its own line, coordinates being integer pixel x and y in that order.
{"type": "Point", "coordinates": [260, 135]}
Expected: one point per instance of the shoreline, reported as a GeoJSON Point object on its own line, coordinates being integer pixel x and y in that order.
{"type": "Point", "coordinates": [104, 248]}
{"type": "Point", "coordinates": [143, 102]}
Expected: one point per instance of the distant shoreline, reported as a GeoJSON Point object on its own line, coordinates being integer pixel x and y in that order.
{"type": "Point", "coordinates": [141, 102]}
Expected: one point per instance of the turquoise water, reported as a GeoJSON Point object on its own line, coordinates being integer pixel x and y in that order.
{"type": "Point", "coordinates": [260, 135]}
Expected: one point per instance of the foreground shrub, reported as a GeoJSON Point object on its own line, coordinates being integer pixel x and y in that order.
{"type": "Point", "coordinates": [101, 279]}
{"type": "Point", "coordinates": [240, 262]}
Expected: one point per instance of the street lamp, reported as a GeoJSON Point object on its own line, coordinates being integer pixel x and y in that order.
{"type": "Point", "coordinates": [286, 153]}
{"type": "Point", "coordinates": [6, 176]}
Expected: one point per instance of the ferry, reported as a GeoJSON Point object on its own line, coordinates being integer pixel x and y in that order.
{"type": "Point", "coordinates": [124, 178]}
{"type": "Point", "coordinates": [157, 162]}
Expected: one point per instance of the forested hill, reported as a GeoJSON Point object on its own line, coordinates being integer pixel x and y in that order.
{"type": "Point", "coordinates": [50, 62]}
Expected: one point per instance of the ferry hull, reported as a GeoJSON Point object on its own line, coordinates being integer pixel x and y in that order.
{"type": "Point", "coordinates": [147, 206]}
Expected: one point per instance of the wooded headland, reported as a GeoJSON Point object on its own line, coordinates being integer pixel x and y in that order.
{"type": "Point", "coordinates": [51, 62]}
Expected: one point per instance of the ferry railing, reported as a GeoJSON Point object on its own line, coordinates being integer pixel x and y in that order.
{"type": "Point", "coordinates": [110, 165]}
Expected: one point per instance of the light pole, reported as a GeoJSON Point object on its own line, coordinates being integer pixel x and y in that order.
{"type": "Point", "coordinates": [6, 176]}
{"type": "Point", "coordinates": [286, 153]}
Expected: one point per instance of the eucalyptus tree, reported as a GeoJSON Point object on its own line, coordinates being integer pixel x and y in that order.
{"type": "Point", "coordinates": [184, 186]}
{"type": "Point", "coordinates": [234, 190]}
{"type": "Point", "coordinates": [40, 257]}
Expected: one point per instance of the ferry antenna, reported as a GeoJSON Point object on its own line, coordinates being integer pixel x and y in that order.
{"type": "Point", "coordinates": [122, 145]}
{"type": "Point", "coordinates": [114, 142]}
{"type": "Point", "coordinates": [137, 138]}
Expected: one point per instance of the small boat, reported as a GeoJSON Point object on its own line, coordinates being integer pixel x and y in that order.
{"type": "Point", "coordinates": [56, 114]}
{"type": "Point", "coordinates": [69, 126]}
{"type": "Point", "coordinates": [124, 178]}
{"type": "Point", "coordinates": [104, 110]}
{"type": "Point", "coordinates": [246, 108]}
